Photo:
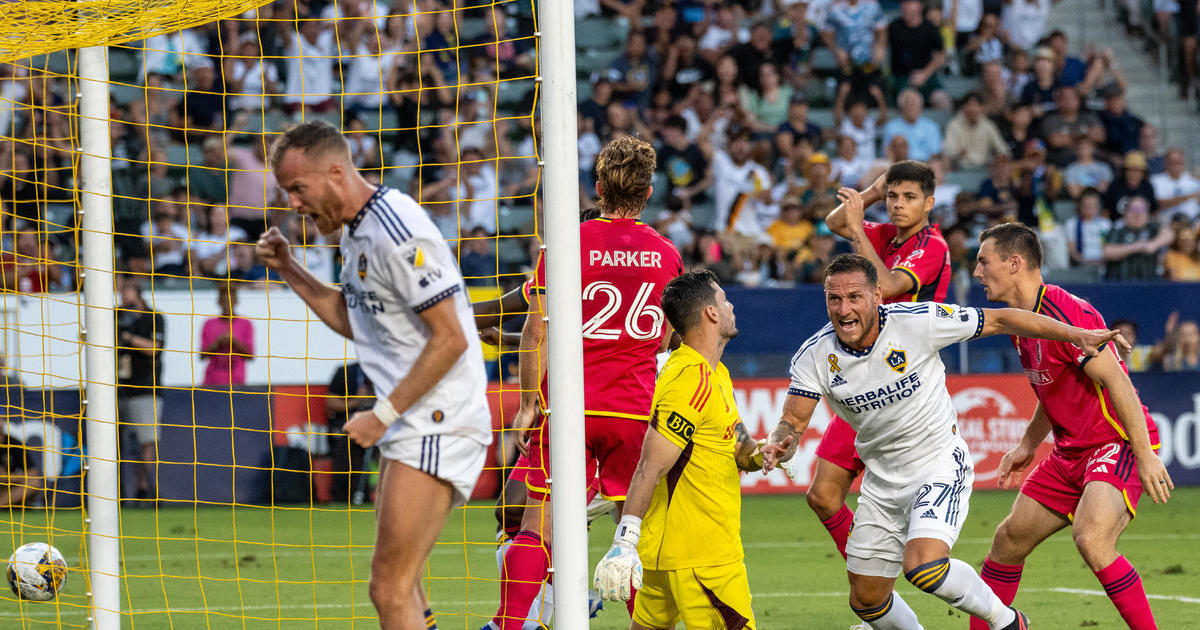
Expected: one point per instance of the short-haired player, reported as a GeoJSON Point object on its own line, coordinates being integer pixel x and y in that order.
{"type": "Point", "coordinates": [679, 539]}
{"type": "Point", "coordinates": [878, 367]}
{"type": "Point", "coordinates": [1104, 438]}
{"type": "Point", "coordinates": [625, 264]}
{"type": "Point", "coordinates": [403, 303]}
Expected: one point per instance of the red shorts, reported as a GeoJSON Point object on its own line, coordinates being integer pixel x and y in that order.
{"type": "Point", "coordinates": [613, 446]}
{"type": "Point", "coordinates": [837, 446]}
{"type": "Point", "coordinates": [520, 473]}
{"type": "Point", "coordinates": [1058, 480]}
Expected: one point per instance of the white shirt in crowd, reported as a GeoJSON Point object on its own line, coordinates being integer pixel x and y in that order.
{"type": "Point", "coordinates": [254, 75]}
{"type": "Point", "coordinates": [1165, 187]}
{"type": "Point", "coordinates": [311, 68]}
{"type": "Point", "coordinates": [731, 180]}
{"type": "Point", "coordinates": [167, 53]}
{"type": "Point", "coordinates": [1088, 237]}
{"type": "Point", "coordinates": [863, 136]}
{"type": "Point", "coordinates": [1025, 21]}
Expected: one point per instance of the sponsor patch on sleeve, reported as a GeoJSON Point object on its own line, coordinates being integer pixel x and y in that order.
{"type": "Point", "coordinates": [680, 426]}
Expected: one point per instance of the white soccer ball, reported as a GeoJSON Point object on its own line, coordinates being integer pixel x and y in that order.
{"type": "Point", "coordinates": [36, 571]}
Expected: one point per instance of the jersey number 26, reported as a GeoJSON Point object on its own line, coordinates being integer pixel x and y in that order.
{"type": "Point", "coordinates": [634, 316]}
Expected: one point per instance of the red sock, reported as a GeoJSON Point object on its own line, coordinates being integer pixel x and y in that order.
{"type": "Point", "coordinates": [526, 566]}
{"type": "Point", "coordinates": [839, 527]}
{"type": "Point", "coordinates": [1003, 579]}
{"type": "Point", "coordinates": [632, 598]}
{"type": "Point", "coordinates": [1124, 587]}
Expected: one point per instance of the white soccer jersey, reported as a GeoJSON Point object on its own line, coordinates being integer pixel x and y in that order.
{"type": "Point", "coordinates": [893, 393]}
{"type": "Point", "coordinates": [396, 265]}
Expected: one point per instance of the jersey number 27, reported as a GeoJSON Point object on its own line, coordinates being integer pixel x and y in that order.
{"type": "Point", "coordinates": [640, 310]}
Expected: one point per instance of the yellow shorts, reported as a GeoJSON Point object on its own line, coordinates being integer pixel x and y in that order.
{"type": "Point", "coordinates": [704, 598]}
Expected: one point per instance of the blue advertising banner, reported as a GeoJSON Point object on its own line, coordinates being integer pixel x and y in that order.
{"type": "Point", "coordinates": [1174, 400]}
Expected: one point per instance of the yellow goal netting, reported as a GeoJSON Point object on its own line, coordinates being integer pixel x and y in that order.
{"type": "Point", "coordinates": [242, 505]}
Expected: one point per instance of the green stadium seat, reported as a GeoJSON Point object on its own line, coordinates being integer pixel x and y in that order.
{"type": "Point", "coordinates": [968, 179]}
{"type": "Point", "coordinates": [125, 94]}
{"type": "Point", "coordinates": [122, 64]}
{"type": "Point", "coordinates": [599, 34]}
{"type": "Point", "coordinates": [821, 117]}
{"type": "Point", "coordinates": [516, 220]}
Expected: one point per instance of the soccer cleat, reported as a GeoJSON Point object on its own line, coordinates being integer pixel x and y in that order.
{"type": "Point", "coordinates": [862, 626]}
{"type": "Point", "coordinates": [1020, 623]}
{"type": "Point", "coordinates": [595, 603]}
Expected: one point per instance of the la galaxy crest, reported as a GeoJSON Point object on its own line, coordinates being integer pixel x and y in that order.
{"type": "Point", "coordinates": [362, 266]}
{"type": "Point", "coordinates": [897, 359]}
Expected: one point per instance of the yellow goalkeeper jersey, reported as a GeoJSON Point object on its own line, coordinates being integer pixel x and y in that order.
{"type": "Point", "coordinates": [695, 516]}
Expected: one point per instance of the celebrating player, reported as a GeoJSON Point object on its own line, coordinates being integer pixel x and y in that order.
{"type": "Point", "coordinates": [693, 546]}
{"type": "Point", "coordinates": [1087, 482]}
{"type": "Point", "coordinates": [625, 265]}
{"type": "Point", "coordinates": [404, 304]}
{"type": "Point", "coordinates": [913, 263]}
{"type": "Point", "coordinates": [879, 368]}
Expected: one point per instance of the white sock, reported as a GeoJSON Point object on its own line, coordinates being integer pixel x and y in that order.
{"type": "Point", "coordinates": [966, 591]}
{"type": "Point", "coordinates": [501, 551]}
{"type": "Point", "coordinates": [541, 610]}
{"type": "Point", "coordinates": [899, 617]}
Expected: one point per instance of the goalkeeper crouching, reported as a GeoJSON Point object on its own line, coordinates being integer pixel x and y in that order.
{"type": "Point", "coordinates": [679, 542]}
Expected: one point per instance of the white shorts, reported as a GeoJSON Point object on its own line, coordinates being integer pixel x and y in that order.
{"type": "Point", "coordinates": [890, 515]}
{"type": "Point", "coordinates": [140, 415]}
{"type": "Point", "coordinates": [453, 459]}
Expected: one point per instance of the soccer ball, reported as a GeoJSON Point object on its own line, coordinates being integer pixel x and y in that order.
{"type": "Point", "coordinates": [36, 571]}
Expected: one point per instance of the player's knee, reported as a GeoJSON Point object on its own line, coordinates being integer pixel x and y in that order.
{"type": "Point", "coordinates": [871, 611]}
{"type": "Point", "coordinates": [824, 500]}
{"type": "Point", "coordinates": [929, 576]}
{"type": "Point", "coordinates": [1097, 548]}
{"type": "Point", "coordinates": [1007, 547]}
{"type": "Point", "coordinates": [509, 516]}
{"type": "Point", "coordinates": [391, 592]}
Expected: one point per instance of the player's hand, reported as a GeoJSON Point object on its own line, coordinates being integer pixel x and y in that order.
{"type": "Point", "coordinates": [490, 336]}
{"type": "Point", "coordinates": [272, 248]}
{"type": "Point", "coordinates": [523, 424]}
{"type": "Point", "coordinates": [852, 206]}
{"type": "Point", "coordinates": [1090, 340]}
{"type": "Point", "coordinates": [1013, 463]}
{"type": "Point", "coordinates": [1156, 481]}
{"type": "Point", "coordinates": [877, 191]}
{"type": "Point", "coordinates": [365, 429]}
{"type": "Point", "coordinates": [621, 568]}
{"type": "Point", "coordinates": [775, 452]}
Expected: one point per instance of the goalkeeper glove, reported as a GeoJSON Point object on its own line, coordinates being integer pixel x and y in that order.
{"type": "Point", "coordinates": [621, 566]}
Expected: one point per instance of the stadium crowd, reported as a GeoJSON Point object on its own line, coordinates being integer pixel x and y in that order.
{"type": "Point", "coordinates": [759, 109]}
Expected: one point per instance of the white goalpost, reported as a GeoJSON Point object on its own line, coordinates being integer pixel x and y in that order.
{"type": "Point", "coordinates": [98, 336]}
{"type": "Point", "coordinates": [564, 314]}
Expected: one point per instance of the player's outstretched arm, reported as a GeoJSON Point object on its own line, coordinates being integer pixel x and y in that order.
{"type": "Point", "coordinates": [531, 365]}
{"type": "Point", "coordinates": [781, 445]}
{"type": "Point", "coordinates": [621, 566]}
{"type": "Point", "coordinates": [1015, 321]}
{"type": "Point", "coordinates": [324, 300]}
{"type": "Point", "coordinates": [1021, 456]}
{"type": "Point", "coordinates": [446, 344]}
{"type": "Point", "coordinates": [1106, 371]}
{"type": "Point", "coordinates": [493, 313]}
{"type": "Point", "coordinates": [747, 452]}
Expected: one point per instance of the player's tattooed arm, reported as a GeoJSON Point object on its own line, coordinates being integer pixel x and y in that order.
{"type": "Point", "coordinates": [781, 445]}
{"type": "Point", "coordinates": [746, 453]}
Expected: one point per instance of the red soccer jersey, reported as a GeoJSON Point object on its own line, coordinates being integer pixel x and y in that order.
{"type": "Point", "coordinates": [625, 266]}
{"type": "Point", "coordinates": [1081, 413]}
{"type": "Point", "coordinates": [924, 256]}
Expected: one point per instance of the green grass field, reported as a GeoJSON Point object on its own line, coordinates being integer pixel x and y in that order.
{"type": "Point", "coordinates": [250, 567]}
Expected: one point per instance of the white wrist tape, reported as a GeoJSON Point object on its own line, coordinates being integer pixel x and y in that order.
{"type": "Point", "coordinates": [384, 410]}
{"type": "Point", "coordinates": [629, 530]}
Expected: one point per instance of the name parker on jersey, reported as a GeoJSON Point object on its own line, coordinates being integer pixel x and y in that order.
{"type": "Point", "coordinates": [624, 258]}
{"type": "Point", "coordinates": [883, 396]}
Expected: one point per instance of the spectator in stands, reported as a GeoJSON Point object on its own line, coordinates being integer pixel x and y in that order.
{"type": "Point", "coordinates": [1039, 92]}
{"type": "Point", "coordinates": [684, 68]}
{"type": "Point", "coordinates": [1182, 263]}
{"type": "Point", "coordinates": [439, 37]}
{"type": "Point", "coordinates": [753, 53]}
{"type": "Point", "coordinates": [768, 106]}
{"type": "Point", "coordinates": [634, 72]}
{"type": "Point", "coordinates": [226, 342]}
{"type": "Point", "coordinates": [21, 481]}
{"type": "Point", "coordinates": [313, 250]}
{"type": "Point", "coordinates": [675, 224]}
{"type": "Point", "coordinates": [810, 266]}
{"type": "Point", "coordinates": [734, 174]}
{"type": "Point", "coordinates": [477, 258]}
{"type": "Point", "coordinates": [252, 187]}
{"type": "Point", "coordinates": [249, 79]}
{"type": "Point", "coordinates": [477, 192]}
{"type": "Point", "coordinates": [1137, 358]}
{"type": "Point", "coordinates": [792, 231]}
{"type": "Point", "coordinates": [1182, 352]}
{"type": "Point", "coordinates": [860, 126]}
{"type": "Point", "coordinates": [208, 182]}
{"type": "Point", "coordinates": [1189, 26]}
{"type": "Point", "coordinates": [312, 51]}
{"type": "Point", "coordinates": [1148, 145]}
{"type": "Point", "coordinates": [1133, 182]}
{"type": "Point", "coordinates": [796, 126]}
{"type": "Point", "coordinates": [201, 111]}
{"type": "Point", "coordinates": [1068, 70]}
{"type": "Point", "coordinates": [210, 252]}
{"type": "Point", "coordinates": [20, 191]}
{"type": "Point", "coordinates": [1086, 171]}
{"type": "Point", "coordinates": [1068, 121]}
{"type": "Point", "coordinates": [855, 32]}
{"type": "Point", "coordinates": [512, 54]}
{"type": "Point", "coordinates": [1121, 128]}
{"type": "Point", "coordinates": [917, 54]}
{"type": "Point", "coordinates": [664, 29]}
{"type": "Point", "coordinates": [164, 55]}
{"type": "Point", "coordinates": [994, 90]}
{"type": "Point", "coordinates": [595, 108]}
{"type": "Point", "coordinates": [1036, 183]}
{"type": "Point", "coordinates": [31, 267]}
{"type": "Point", "coordinates": [417, 97]}
{"type": "Point", "coordinates": [683, 163]}
{"type": "Point", "coordinates": [1024, 21]}
{"type": "Point", "coordinates": [1087, 231]}
{"type": "Point", "coordinates": [971, 138]}
{"type": "Point", "coordinates": [350, 391]}
{"type": "Point", "coordinates": [849, 168]}
{"type": "Point", "coordinates": [140, 336]}
{"type": "Point", "coordinates": [985, 46]}
{"type": "Point", "coordinates": [795, 40]}
{"type": "Point", "coordinates": [368, 66]}
{"type": "Point", "coordinates": [1133, 246]}
{"type": "Point", "coordinates": [923, 135]}
{"type": "Point", "coordinates": [966, 18]}
{"type": "Point", "coordinates": [719, 34]}
{"type": "Point", "coordinates": [168, 239]}
{"type": "Point", "coordinates": [1177, 190]}
{"type": "Point", "coordinates": [820, 187]}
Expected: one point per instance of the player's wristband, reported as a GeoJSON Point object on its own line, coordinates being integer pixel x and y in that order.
{"type": "Point", "coordinates": [386, 413]}
{"type": "Point", "coordinates": [629, 530]}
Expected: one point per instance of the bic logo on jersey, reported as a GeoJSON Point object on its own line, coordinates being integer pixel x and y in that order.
{"type": "Point", "coordinates": [681, 426]}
